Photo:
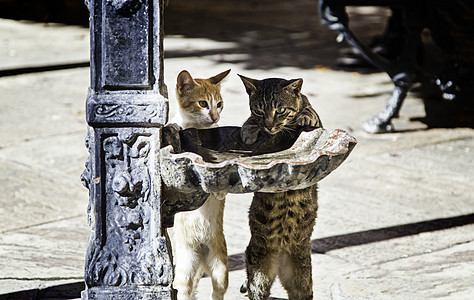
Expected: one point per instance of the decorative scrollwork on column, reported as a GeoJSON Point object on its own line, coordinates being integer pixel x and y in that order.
{"type": "Point", "coordinates": [127, 206]}
{"type": "Point", "coordinates": [86, 176]}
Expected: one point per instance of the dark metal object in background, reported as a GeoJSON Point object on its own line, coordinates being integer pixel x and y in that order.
{"type": "Point", "coordinates": [452, 27]}
{"type": "Point", "coordinates": [59, 11]}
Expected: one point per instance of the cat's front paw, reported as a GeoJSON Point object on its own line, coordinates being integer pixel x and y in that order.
{"type": "Point", "coordinates": [174, 127]}
{"type": "Point", "coordinates": [249, 134]}
{"type": "Point", "coordinates": [305, 121]}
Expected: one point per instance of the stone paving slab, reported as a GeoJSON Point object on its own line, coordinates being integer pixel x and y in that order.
{"type": "Point", "coordinates": [40, 105]}
{"type": "Point", "coordinates": [40, 252]}
{"type": "Point", "coordinates": [26, 44]}
{"type": "Point", "coordinates": [30, 196]}
{"type": "Point", "coordinates": [439, 275]}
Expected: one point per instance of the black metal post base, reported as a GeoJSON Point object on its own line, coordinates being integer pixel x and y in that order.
{"type": "Point", "coordinates": [127, 293]}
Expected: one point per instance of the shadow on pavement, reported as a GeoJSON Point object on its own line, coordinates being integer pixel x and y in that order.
{"type": "Point", "coordinates": [27, 70]}
{"type": "Point", "coordinates": [267, 34]}
{"type": "Point", "coordinates": [64, 291]}
{"type": "Point", "coordinates": [72, 12]}
{"type": "Point", "coordinates": [377, 235]}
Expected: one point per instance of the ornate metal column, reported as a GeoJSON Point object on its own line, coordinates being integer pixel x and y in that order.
{"type": "Point", "coordinates": [128, 253]}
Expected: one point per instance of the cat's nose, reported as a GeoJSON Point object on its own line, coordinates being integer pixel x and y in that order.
{"type": "Point", "coordinates": [214, 117]}
{"type": "Point", "coordinates": [268, 123]}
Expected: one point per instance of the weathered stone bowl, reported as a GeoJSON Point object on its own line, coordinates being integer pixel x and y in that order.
{"type": "Point", "coordinates": [216, 160]}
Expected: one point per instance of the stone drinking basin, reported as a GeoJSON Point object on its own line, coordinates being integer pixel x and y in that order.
{"type": "Point", "coordinates": [216, 160]}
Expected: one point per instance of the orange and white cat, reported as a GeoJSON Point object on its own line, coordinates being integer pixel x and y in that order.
{"type": "Point", "coordinates": [199, 242]}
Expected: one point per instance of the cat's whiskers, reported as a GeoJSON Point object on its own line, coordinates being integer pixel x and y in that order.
{"type": "Point", "coordinates": [287, 129]}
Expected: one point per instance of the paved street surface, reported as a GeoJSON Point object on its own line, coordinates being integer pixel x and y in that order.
{"type": "Point", "coordinates": [396, 220]}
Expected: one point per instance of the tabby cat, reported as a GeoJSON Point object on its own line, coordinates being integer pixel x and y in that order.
{"type": "Point", "coordinates": [281, 224]}
{"type": "Point", "coordinates": [199, 242]}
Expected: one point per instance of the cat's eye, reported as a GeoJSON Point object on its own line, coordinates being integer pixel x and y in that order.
{"type": "Point", "coordinates": [280, 110]}
{"type": "Point", "coordinates": [203, 104]}
{"type": "Point", "coordinates": [219, 104]}
{"type": "Point", "coordinates": [259, 112]}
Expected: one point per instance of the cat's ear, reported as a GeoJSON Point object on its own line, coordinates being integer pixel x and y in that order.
{"type": "Point", "coordinates": [295, 85]}
{"type": "Point", "coordinates": [184, 81]}
{"type": "Point", "coordinates": [218, 78]}
{"type": "Point", "coordinates": [250, 84]}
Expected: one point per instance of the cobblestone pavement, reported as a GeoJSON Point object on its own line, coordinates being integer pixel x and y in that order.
{"type": "Point", "coordinates": [396, 220]}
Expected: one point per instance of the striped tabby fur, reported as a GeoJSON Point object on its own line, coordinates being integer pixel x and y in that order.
{"type": "Point", "coordinates": [281, 224]}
